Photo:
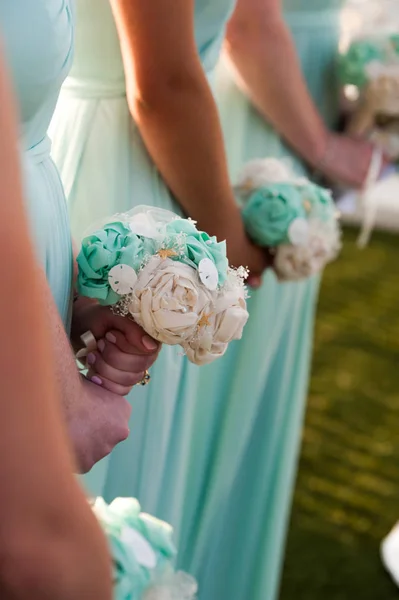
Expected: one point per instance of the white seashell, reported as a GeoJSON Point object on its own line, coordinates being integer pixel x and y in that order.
{"type": "Point", "coordinates": [122, 279]}
{"type": "Point", "coordinates": [143, 552]}
{"type": "Point", "coordinates": [208, 274]}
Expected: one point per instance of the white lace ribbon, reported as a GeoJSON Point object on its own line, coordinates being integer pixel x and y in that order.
{"type": "Point", "coordinates": [89, 345]}
{"type": "Point", "coordinates": [368, 205]}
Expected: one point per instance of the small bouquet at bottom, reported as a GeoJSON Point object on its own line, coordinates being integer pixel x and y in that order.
{"type": "Point", "coordinates": [171, 278]}
{"type": "Point", "coordinates": [293, 217]}
{"type": "Point", "coordinates": [142, 554]}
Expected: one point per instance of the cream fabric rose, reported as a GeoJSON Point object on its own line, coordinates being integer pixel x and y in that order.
{"type": "Point", "coordinates": [218, 328]}
{"type": "Point", "coordinates": [263, 171]}
{"type": "Point", "coordinates": [292, 263]}
{"type": "Point", "coordinates": [169, 299]}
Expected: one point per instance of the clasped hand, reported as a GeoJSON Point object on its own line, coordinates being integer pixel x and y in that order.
{"type": "Point", "coordinates": [124, 351]}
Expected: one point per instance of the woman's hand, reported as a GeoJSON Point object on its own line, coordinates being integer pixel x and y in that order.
{"type": "Point", "coordinates": [96, 425]}
{"type": "Point", "coordinates": [242, 252]}
{"type": "Point", "coordinates": [346, 160]}
{"type": "Point", "coordinates": [124, 351]}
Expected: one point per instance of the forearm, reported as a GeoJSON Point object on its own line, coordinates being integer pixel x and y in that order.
{"type": "Point", "coordinates": [50, 543]}
{"type": "Point", "coordinates": [263, 56]}
{"type": "Point", "coordinates": [172, 104]}
{"type": "Point", "coordinates": [182, 133]}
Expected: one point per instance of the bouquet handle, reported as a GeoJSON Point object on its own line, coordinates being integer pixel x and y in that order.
{"type": "Point", "coordinates": [367, 205]}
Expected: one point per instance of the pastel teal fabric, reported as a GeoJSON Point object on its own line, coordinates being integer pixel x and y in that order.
{"type": "Point", "coordinates": [212, 450]}
{"type": "Point", "coordinates": [105, 248]}
{"type": "Point", "coordinates": [351, 65]}
{"type": "Point", "coordinates": [321, 201]}
{"type": "Point", "coordinates": [116, 244]}
{"type": "Point", "coordinates": [38, 42]}
{"type": "Point", "coordinates": [240, 490]}
{"type": "Point", "coordinates": [131, 576]}
{"type": "Point", "coordinates": [199, 245]}
{"type": "Point", "coordinates": [361, 52]}
{"type": "Point", "coordinates": [269, 211]}
{"type": "Point", "coordinates": [106, 169]}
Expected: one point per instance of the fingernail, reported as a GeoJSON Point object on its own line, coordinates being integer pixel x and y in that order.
{"type": "Point", "coordinates": [97, 380]}
{"type": "Point", "coordinates": [149, 343]}
{"type": "Point", "coordinates": [91, 358]}
{"type": "Point", "coordinates": [111, 338]}
{"type": "Point", "coordinates": [101, 345]}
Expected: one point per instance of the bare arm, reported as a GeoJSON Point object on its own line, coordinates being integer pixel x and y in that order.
{"type": "Point", "coordinates": [170, 99]}
{"type": "Point", "coordinates": [50, 544]}
{"type": "Point", "coordinates": [262, 53]}
{"type": "Point", "coordinates": [261, 49]}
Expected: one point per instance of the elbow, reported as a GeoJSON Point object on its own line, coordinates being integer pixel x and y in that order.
{"type": "Point", "coordinates": [159, 93]}
{"type": "Point", "coordinates": [242, 37]}
{"type": "Point", "coordinates": [250, 33]}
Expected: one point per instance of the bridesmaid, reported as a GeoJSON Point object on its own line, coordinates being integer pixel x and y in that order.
{"type": "Point", "coordinates": [38, 42]}
{"type": "Point", "coordinates": [281, 58]}
{"type": "Point", "coordinates": [212, 450]}
{"type": "Point", "coordinates": [46, 525]}
{"type": "Point", "coordinates": [141, 126]}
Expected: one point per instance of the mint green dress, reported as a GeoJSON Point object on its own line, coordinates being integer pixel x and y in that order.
{"type": "Point", "coordinates": [37, 36]}
{"type": "Point", "coordinates": [106, 169]}
{"type": "Point", "coordinates": [239, 497]}
{"type": "Point", "coordinates": [212, 450]}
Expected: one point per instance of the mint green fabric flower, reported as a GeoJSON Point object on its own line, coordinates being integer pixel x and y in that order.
{"type": "Point", "coordinates": [320, 201]}
{"type": "Point", "coordinates": [270, 210]}
{"type": "Point", "coordinates": [114, 244]}
{"type": "Point", "coordinates": [131, 577]}
{"type": "Point", "coordinates": [352, 64]}
{"type": "Point", "coordinates": [198, 245]}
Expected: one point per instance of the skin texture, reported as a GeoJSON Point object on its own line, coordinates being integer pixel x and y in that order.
{"type": "Point", "coordinates": [172, 104]}
{"type": "Point", "coordinates": [258, 42]}
{"type": "Point", "coordinates": [51, 546]}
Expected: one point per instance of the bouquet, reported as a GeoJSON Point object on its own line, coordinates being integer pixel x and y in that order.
{"type": "Point", "coordinates": [142, 554]}
{"type": "Point", "coordinates": [293, 217]}
{"type": "Point", "coordinates": [369, 75]}
{"type": "Point", "coordinates": [172, 279]}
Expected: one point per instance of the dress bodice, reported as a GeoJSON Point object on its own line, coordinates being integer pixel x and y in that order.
{"type": "Point", "coordinates": [38, 39]}
{"type": "Point", "coordinates": [98, 59]}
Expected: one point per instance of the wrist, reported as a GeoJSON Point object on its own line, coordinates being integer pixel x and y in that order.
{"type": "Point", "coordinates": [317, 148]}
{"type": "Point", "coordinates": [329, 154]}
{"type": "Point", "coordinates": [224, 222]}
{"type": "Point", "coordinates": [81, 306]}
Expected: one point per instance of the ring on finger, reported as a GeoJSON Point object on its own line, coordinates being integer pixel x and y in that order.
{"type": "Point", "coordinates": [146, 378]}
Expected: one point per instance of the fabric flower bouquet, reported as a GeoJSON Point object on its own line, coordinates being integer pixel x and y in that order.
{"type": "Point", "coordinates": [142, 553]}
{"type": "Point", "coordinates": [294, 218]}
{"type": "Point", "coordinates": [171, 278]}
{"type": "Point", "coordinates": [369, 75]}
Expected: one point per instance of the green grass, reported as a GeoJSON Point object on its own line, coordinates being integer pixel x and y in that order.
{"type": "Point", "coordinates": [347, 495]}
